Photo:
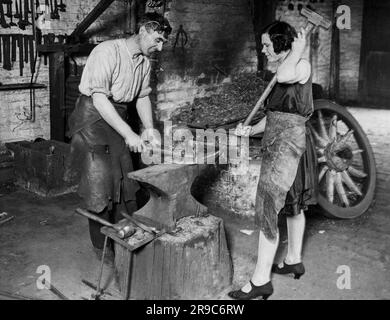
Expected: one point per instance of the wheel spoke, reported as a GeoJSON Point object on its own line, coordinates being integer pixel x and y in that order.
{"type": "Point", "coordinates": [323, 132]}
{"type": "Point", "coordinates": [356, 172]}
{"type": "Point", "coordinates": [330, 179]}
{"type": "Point", "coordinates": [358, 151]}
{"type": "Point", "coordinates": [320, 141]}
{"type": "Point", "coordinates": [350, 183]}
{"type": "Point", "coordinates": [322, 173]}
{"type": "Point", "coordinates": [340, 189]}
{"type": "Point", "coordinates": [333, 128]}
{"type": "Point", "coordinates": [320, 151]}
{"type": "Point", "coordinates": [322, 159]}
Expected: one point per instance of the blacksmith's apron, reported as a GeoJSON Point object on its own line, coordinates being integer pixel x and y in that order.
{"type": "Point", "coordinates": [283, 144]}
{"type": "Point", "coordinates": [101, 155]}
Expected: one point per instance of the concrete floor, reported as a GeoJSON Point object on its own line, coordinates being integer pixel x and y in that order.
{"type": "Point", "coordinates": [47, 232]}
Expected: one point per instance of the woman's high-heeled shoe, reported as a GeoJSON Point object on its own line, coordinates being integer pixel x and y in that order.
{"type": "Point", "coordinates": [263, 291]}
{"type": "Point", "coordinates": [297, 269]}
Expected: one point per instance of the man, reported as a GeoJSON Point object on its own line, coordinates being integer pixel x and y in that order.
{"type": "Point", "coordinates": [116, 73]}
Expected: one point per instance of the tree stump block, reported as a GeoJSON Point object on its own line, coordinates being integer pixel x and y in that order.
{"type": "Point", "coordinates": [192, 263]}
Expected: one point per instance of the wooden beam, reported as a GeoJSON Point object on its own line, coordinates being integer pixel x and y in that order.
{"type": "Point", "coordinates": [89, 19]}
{"type": "Point", "coordinates": [21, 86]}
{"type": "Point", "coordinates": [364, 51]}
{"type": "Point", "coordinates": [57, 95]}
{"type": "Point", "coordinates": [67, 48]}
{"type": "Point", "coordinates": [334, 86]}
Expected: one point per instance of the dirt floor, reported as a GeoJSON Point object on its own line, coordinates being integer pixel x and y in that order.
{"type": "Point", "coordinates": [47, 232]}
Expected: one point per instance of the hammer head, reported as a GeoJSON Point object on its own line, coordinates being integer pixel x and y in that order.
{"type": "Point", "coordinates": [124, 229]}
{"type": "Point", "coordinates": [315, 18]}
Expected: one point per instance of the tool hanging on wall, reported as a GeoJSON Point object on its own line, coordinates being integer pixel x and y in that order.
{"type": "Point", "coordinates": [25, 20]}
{"type": "Point", "coordinates": [14, 42]}
{"type": "Point", "coordinates": [3, 22]}
{"type": "Point", "coordinates": [9, 46]}
{"type": "Point", "coordinates": [17, 14]}
{"type": "Point", "coordinates": [62, 7]}
{"type": "Point", "coordinates": [56, 14]}
{"type": "Point", "coordinates": [9, 14]}
{"type": "Point", "coordinates": [51, 9]}
{"type": "Point", "coordinates": [47, 5]}
{"type": "Point", "coordinates": [181, 38]}
{"type": "Point", "coordinates": [54, 10]}
{"type": "Point", "coordinates": [32, 53]}
{"type": "Point", "coordinates": [21, 23]}
{"type": "Point", "coordinates": [20, 48]}
{"type": "Point", "coordinates": [37, 8]}
{"type": "Point", "coordinates": [25, 44]}
{"type": "Point", "coordinates": [7, 65]}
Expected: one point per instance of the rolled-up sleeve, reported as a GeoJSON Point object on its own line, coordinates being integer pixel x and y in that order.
{"type": "Point", "coordinates": [98, 72]}
{"type": "Point", "coordinates": [145, 88]}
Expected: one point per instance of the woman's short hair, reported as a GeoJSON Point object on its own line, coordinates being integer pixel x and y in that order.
{"type": "Point", "coordinates": [281, 34]}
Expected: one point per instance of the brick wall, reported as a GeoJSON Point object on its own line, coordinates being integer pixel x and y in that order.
{"type": "Point", "coordinates": [220, 44]}
{"type": "Point", "coordinates": [15, 104]}
{"type": "Point", "coordinates": [220, 34]}
{"type": "Point", "coordinates": [350, 41]}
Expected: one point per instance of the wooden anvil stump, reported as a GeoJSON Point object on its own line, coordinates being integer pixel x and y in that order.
{"type": "Point", "coordinates": [193, 263]}
{"type": "Point", "coordinates": [169, 186]}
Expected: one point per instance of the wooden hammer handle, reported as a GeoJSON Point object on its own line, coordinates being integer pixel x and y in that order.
{"type": "Point", "coordinates": [261, 101]}
{"type": "Point", "coordinates": [94, 217]}
{"type": "Point", "coordinates": [122, 232]}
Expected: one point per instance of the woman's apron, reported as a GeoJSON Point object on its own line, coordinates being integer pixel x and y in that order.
{"type": "Point", "coordinates": [283, 144]}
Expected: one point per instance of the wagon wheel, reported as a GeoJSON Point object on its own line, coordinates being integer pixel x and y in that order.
{"type": "Point", "coordinates": [346, 164]}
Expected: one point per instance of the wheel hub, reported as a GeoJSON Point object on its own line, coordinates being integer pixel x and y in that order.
{"type": "Point", "coordinates": [338, 158]}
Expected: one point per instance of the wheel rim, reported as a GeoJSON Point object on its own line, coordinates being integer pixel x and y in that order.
{"type": "Point", "coordinates": [344, 162]}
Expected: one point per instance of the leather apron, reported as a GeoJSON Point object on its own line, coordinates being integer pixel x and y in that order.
{"type": "Point", "coordinates": [283, 144]}
{"type": "Point", "coordinates": [101, 155]}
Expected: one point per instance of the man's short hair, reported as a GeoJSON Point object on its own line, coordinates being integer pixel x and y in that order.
{"type": "Point", "coordinates": [153, 21]}
{"type": "Point", "coordinates": [281, 34]}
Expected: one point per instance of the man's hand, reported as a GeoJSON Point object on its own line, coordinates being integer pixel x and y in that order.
{"type": "Point", "coordinates": [152, 138]}
{"type": "Point", "coordinates": [243, 131]}
{"type": "Point", "coordinates": [134, 142]}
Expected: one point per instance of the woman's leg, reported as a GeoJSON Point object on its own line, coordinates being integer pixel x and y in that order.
{"type": "Point", "coordinates": [265, 257]}
{"type": "Point", "coordinates": [295, 231]}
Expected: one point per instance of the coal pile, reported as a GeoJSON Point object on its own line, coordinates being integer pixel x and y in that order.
{"type": "Point", "coordinates": [232, 104]}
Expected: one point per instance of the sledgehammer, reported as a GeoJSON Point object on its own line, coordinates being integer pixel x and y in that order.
{"type": "Point", "coordinates": [313, 20]}
{"type": "Point", "coordinates": [123, 232]}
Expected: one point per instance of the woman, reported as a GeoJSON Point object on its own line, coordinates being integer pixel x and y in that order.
{"type": "Point", "coordinates": [287, 180]}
